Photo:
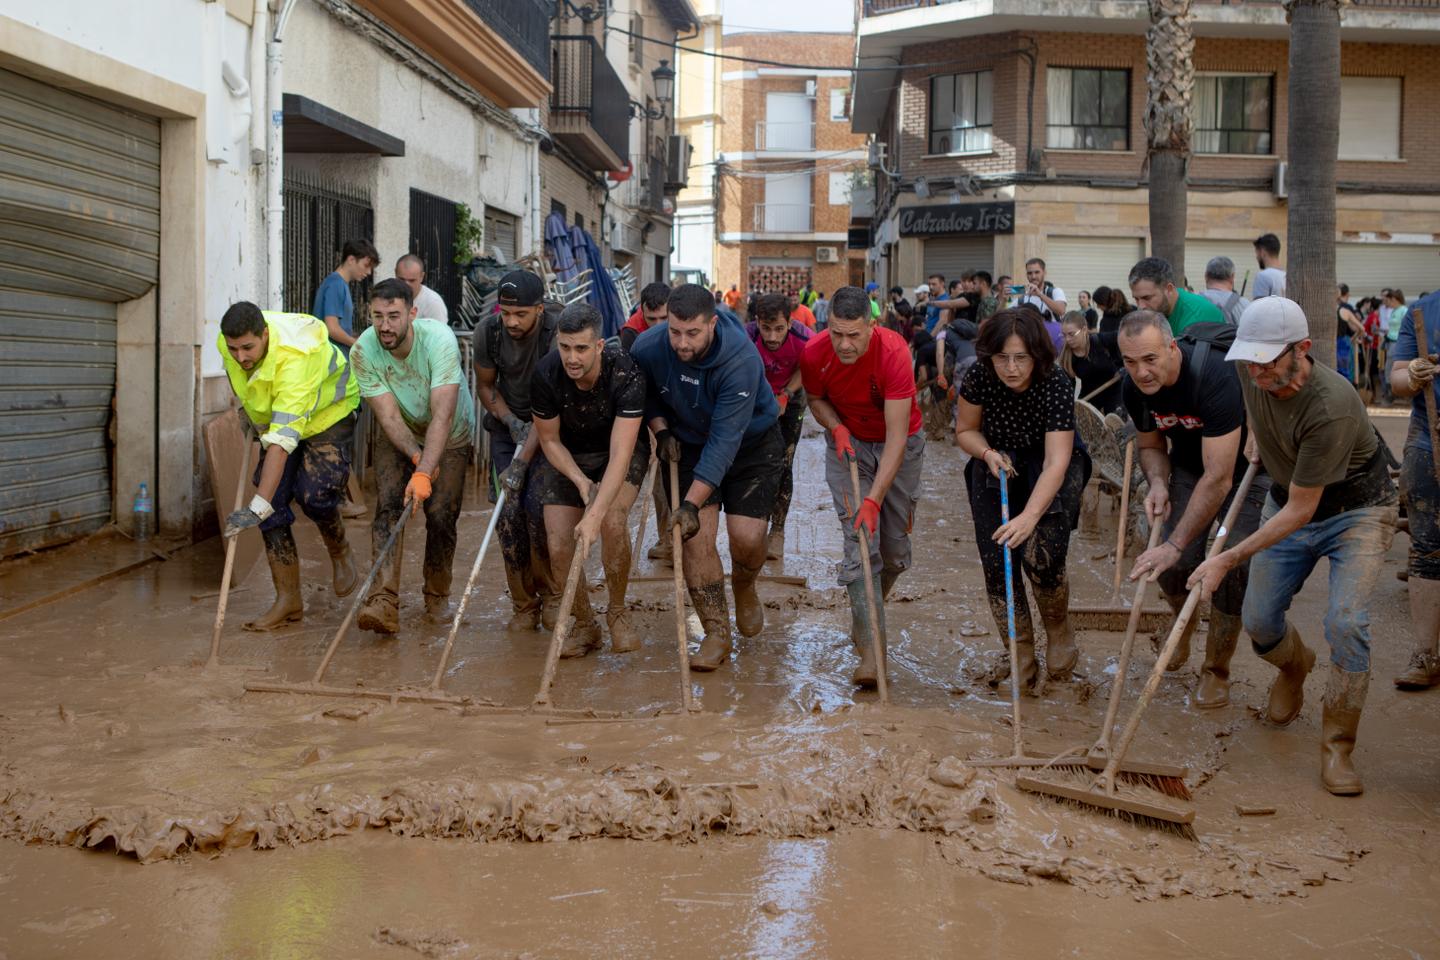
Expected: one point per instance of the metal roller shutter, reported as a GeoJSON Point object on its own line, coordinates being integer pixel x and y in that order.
{"type": "Point", "coordinates": [1241, 251]}
{"type": "Point", "coordinates": [952, 256]}
{"type": "Point", "coordinates": [1084, 263]}
{"type": "Point", "coordinates": [79, 232]}
{"type": "Point", "coordinates": [1369, 267]}
{"type": "Point", "coordinates": [501, 234]}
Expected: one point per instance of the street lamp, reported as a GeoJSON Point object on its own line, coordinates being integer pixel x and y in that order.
{"type": "Point", "coordinates": [664, 79]}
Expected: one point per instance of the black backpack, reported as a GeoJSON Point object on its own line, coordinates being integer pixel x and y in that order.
{"type": "Point", "coordinates": [548, 321]}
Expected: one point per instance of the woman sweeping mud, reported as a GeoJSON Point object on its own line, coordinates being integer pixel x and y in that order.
{"type": "Point", "coordinates": [1015, 412]}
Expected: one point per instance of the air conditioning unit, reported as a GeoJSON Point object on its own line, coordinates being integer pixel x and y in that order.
{"type": "Point", "coordinates": [877, 155]}
{"type": "Point", "coordinates": [827, 254]}
{"type": "Point", "coordinates": [1282, 188]}
{"type": "Point", "coordinates": [809, 88]}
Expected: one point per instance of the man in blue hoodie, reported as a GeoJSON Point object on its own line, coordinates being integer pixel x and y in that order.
{"type": "Point", "coordinates": [712, 411]}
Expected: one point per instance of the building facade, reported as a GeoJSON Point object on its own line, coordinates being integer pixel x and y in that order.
{"type": "Point", "coordinates": [787, 165]}
{"type": "Point", "coordinates": [699, 119]}
{"type": "Point", "coordinates": [997, 142]}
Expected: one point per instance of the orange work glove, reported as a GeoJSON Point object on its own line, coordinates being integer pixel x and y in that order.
{"type": "Point", "coordinates": [783, 399]}
{"type": "Point", "coordinates": [418, 490]}
{"type": "Point", "coordinates": [868, 518]}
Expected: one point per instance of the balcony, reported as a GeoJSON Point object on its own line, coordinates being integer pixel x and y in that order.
{"type": "Point", "coordinates": [784, 218]}
{"type": "Point", "coordinates": [589, 106]}
{"type": "Point", "coordinates": [524, 24]}
{"type": "Point", "coordinates": [784, 136]}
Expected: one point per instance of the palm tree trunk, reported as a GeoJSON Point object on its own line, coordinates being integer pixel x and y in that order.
{"type": "Point", "coordinates": [1313, 140]}
{"type": "Point", "coordinates": [1170, 84]}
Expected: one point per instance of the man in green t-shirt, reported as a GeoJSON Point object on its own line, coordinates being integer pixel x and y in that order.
{"type": "Point", "coordinates": [1152, 284]}
{"type": "Point", "coordinates": [1332, 497]}
{"type": "Point", "coordinates": [409, 373]}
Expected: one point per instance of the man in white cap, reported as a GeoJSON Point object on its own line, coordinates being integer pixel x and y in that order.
{"type": "Point", "coordinates": [1332, 497]}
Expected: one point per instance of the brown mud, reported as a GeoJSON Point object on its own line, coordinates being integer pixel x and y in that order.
{"type": "Point", "coordinates": [787, 801]}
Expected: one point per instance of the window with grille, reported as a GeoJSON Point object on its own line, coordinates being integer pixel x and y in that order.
{"type": "Point", "coordinates": [961, 118]}
{"type": "Point", "coordinates": [637, 39]}
{"type": "Point", "coordinates": [1233, 114]}
{"type": "Point", "coordinates": [1087, 109]}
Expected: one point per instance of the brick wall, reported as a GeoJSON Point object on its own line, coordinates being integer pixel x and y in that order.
{"type": "Point", "coordinates": [558, 180]}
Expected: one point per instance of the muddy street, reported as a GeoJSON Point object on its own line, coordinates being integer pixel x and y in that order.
{"type": "Point", "coordinates": [149, 808]}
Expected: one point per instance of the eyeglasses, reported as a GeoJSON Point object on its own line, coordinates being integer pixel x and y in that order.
{"type": "Point", "coordinates": [1273, 363]}
{"type": "Point", "coordinates": [1013, 361]}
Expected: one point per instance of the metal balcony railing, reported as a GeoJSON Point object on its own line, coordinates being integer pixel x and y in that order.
{"type": "Point", "coordinates": [875, 8]}
{"type": "Point", "coordinates": [587, 88]}
{"type": "Point", "coordinates": [785, 135]}
{"type": "Point", "coordinates": [524, 24]}
{"type": "Point", "coordinates": [784, 217]}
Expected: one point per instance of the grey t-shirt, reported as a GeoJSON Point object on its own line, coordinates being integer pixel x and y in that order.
{"type": "Point", "coordinates": [1269, 282]}
{"type": "Point", "coordinates": [1318, 437]}
{"type": "Point", "coordinates": [516, 362]}
{"type": "Point", "coordinates": [1229, 301]}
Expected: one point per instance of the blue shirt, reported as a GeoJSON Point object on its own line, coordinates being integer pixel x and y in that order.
{"type": "Point", "coordinates": [932, 317]}
{"type": "Point", "coordinates": [1406, 349]}
{"type": "Point", "coordinates": [332, 299]}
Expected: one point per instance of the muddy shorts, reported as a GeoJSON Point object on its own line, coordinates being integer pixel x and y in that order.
{"type": "Point", "coordinates": [556, 490]}
{"type": "Point", "coordinates": [752, 482]}
{"type": "Point", "coordinates": [315, 476]}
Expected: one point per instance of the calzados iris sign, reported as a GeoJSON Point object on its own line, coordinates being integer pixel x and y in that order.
{"type": "Point", "coordinates": [957, 218]}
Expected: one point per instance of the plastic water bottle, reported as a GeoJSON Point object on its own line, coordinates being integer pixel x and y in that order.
{"type": "Point", "coordinates": [144, 513]}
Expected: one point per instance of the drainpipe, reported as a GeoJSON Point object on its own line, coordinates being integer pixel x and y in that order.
{"type": "Point", "coordinates": [275, 163]}
{"type": "Point", "coordinates": [258, 23]}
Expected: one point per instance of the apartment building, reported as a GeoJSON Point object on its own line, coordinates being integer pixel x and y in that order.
{"type": "Point", "coordinates": [788, 161]}
{"type": "Point", "coordinates": [1013, 129]}
{"type": "Point", "coordinates": [698, 118]}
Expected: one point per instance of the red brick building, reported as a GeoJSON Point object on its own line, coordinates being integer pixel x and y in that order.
{"type": "Point", "coordinates": [788, 161]}
{"type": "Point", "coordinates": [1021, 143]}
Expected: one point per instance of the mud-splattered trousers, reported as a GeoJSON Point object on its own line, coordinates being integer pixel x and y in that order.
{"type": "Point", "coordinates": [890, 551]}
{"type": "Point", "coordinates": [1231, 595]}
{"type": "Point", "coordinates": [442, 512]}
{"type": "Point", "coordinates": [521, 528]}
{"type": "Point", "coordinates": [1042, 556]}
{"type": "Point", "coordinates": [315, 477]}
{"type": "Point", "coordinates": [790, 423]}
{"type": "Point", "coordinates": [1355, 543]}
{"type": "Point", "coordinates": [1422, 503]}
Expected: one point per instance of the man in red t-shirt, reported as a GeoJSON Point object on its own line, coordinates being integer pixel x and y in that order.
{"type": "Point", "coordinates": [861, 388]}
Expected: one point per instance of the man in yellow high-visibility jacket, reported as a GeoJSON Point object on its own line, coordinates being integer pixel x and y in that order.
{"type": "Point", "coordinates": [298, 395]}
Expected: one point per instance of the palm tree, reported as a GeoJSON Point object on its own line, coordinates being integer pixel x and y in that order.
{"type": "Point", "coordinates": [1170, 84]}
{"type": "Point", "coordinates": [1313, 140]}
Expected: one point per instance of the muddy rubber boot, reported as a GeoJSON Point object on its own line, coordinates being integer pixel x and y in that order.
{"type": "Point", "coordinates": [289, 606]}
{"type": "Point", "coordinates": [1024, 655]}
{"type": "Point", "coordinates": [342, 559]}
{"type": "Point", "coordinates": [1344, 700]}
{"type": "Point", "coordinates": [1182, 649]}
{"type": "Point", "coordinates": [1214, 689]}
{"type": "Point", "coordinates": [749, 614]}
{"type": "Point", "coordinates": [584, 632]}
{"type": "Point", "coordinates": [1061, 654]}
{"type": "Point", "coordinates": [887, 582]}
{"type": "Point", "coordinates": [710, 607]}
{"type": "Point", "coordinates": [380, 614]}
{"type": "Point", "coordinates": [866, 674]}
{"type": "Point", "coordinates": [1294, 661]}
{"type": "Point", "coordinates": [775, 544]}
{"type": "Point", "coordinates": [624, 638]}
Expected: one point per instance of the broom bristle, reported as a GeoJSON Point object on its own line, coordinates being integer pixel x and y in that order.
{"type": "Point", "coordinates": [1170, 786]}
{"type": "Point", "coordinates": [1130, 803]}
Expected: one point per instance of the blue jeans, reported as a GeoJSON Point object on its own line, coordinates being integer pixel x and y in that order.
{"type": "Point", "coordinates": [1355, 543]}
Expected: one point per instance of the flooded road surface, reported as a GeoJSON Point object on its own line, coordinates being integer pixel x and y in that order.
{"type": "Point", "coordinates": [150, 809]}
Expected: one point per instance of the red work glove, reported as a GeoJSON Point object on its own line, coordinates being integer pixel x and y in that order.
{"type": "Point", "coordinates": [868, 517]}
{"type": "Point", "coordinates": [942, 383]}
{"type": "Point", "coordinates": [782, 398]}
{"type": "Point", "coordinates": [418, 490]}
{"type": "Point", "coordinates": [843, 448]}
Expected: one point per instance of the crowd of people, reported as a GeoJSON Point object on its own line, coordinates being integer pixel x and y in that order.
{"type": "Point", "coordinates": [713, 392]}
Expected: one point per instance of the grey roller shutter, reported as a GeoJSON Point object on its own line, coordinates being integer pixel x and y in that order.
{"type": "Point", "coordinates": [952, 256]}
{"type": "Point", "coordinates": [1084, 263]}
{"type": "Point", "coordinates": [79, 232]}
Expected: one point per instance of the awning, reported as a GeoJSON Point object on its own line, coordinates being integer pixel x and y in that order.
{"type": "Point", "coordinates": [311, 127]}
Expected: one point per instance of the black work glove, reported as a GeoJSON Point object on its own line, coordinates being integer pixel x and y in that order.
{"type": "Point", "coordinates": [687, 518]}
{"type": "Point", "coordinates": [667, 446]}
{"type": "Point", "coordinates": [518, 428]}
{"type": "Point", "coordinates": [513, 479]}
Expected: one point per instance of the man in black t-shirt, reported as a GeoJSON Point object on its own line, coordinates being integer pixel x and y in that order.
{"type": "Point", "coordinates": [588, 404]}
{"type": "Point", "coordinates": [1186, 403]}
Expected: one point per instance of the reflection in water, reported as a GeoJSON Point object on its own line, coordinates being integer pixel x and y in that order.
{"type": "Point", "coordinates": [290, 916]}
{"type": "Point", "coordinates": [793, 872]}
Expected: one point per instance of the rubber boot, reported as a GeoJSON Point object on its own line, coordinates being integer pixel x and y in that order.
{"type": "Point", "coordinates": [1214, 689]}
{"type": "Point", "coordinates": [1024, 655]}
{"type": "Point", "coordinates": [342, 558]}
{"type": "Point", "coordinates": [710, 607]}
{"type": "Point", "coordinates": [1182, 649]}
{"type": "Point", "coordinates": [1344, 700]}
{"type": "Point", "coordinates": [1061, 653]}
{"type": "Point", "coordinates": [289, 606]}
{"type": "Point", "coordinates": [887, 581]}
{"type": "Point", "coordinates": [1294, 661]}
{"type": "Point", "coordinates": [775, 543]}
{"type": "Point", "coordinates": [584, 632]}
{"type": "Point", "coordinates": [866, 674]}
{"type": "Point", "coordinates": [749, 614]}
{"type": "Point", "coordinates": [1423, 670]}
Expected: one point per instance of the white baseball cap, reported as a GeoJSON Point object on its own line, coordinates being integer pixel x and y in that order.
{"type": "Point", "coordinates": [1266, 328]}
{"type": "Point", "coordinates": [922, 288]}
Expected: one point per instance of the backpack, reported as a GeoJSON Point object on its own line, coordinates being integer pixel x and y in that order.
{"type": "Point", "coordinates": [1231, 309]}
{"type": "Point", "coordinates": [548, 320]}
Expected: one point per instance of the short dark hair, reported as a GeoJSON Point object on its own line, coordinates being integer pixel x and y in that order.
{"type": "Point", "coordinates": [904, 310]}
{"type": "Point", "coordinates": [1158, 271]}
{"type": "Point", "coordinates": [360, 249]}
{"type": "Point", "coordinates": [656, 295]}
{"type": "Point", "coordinates": [850, 303]}
{"type": "Point", "coordinates": [579, 317]}
{"type": "Point", "coordinates": [393, 289]}
{"type": "Point", "coordinates": [895, 290]}
{"type": "Point", "coordinates": [1025, 324]}
{"type": "Point", "coordinates": [1269, 243]}
{"type": "Point", "coordinates": [936, 276]}
{"type": "Point", "coordinates": [414, 258]}
{"type": "Point", "coordinates": [242, 318]}
{"type": "Point", "coordinates": [1137, 322]}
{"type": "Point", "coordinates": [967, 275]}
{"type": "Point", "coordinates": [1035, 260]}
{"type": "Point", "coordinates": [1344, 289]}
{"type": "Point", "coordinates": [690, 300]}
{"type": "Point", "coordinates": [770, 306]}
{"type": "Point", "coordinates": [984, 275]}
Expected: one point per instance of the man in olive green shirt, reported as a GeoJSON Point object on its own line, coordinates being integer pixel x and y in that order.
{"type": "Point", "coordinates": [1153, 285]}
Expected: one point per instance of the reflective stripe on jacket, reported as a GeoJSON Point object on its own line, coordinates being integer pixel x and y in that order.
{"type": "Point", "coordinates": [301, 388]}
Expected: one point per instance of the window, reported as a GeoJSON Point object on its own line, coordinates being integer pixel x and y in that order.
{"type": "Point", "coordinates": [960, 112]}
{"type": "Point", "coordinates": [1232, 114]}
{"type": "Point", "coordinates": [1087, 109]}
{"type": "Point", "coordinates": [1369, 118]}
{"type": "Point", "coordinates": [839, 106]}
{"type": "Point", "coordinates": [637, 39]}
